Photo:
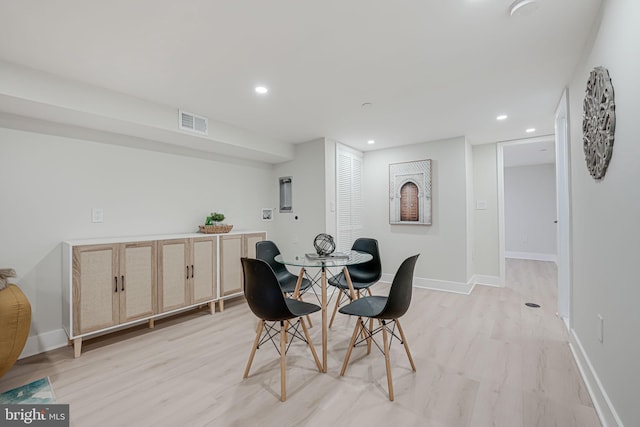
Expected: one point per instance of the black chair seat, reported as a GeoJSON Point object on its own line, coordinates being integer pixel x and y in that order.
{"type": "Point", "coordinates": [363, 276]}
{"type": "Point", "coordinates": [365, 307]}
{"type": "Point", "coordinates": [288, 284]}
{"type": "Point", "coordinates": [339, 281]}
{"type": "Point", "coordinates": [300, 308]}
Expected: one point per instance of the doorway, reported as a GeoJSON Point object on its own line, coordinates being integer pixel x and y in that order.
{"type": "Point", "coordinates": [563, 212]}
{"type": "Point", "coordinates": [564, 209]}
{"type": "Point", "coordinates": [527, 200]}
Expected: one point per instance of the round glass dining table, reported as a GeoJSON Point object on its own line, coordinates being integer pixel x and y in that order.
{"type": "Point", "coordinates": [310, 260]}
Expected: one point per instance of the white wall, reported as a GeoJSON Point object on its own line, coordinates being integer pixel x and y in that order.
{"type": "Point", "coordinates": [330, 186]}
{"type": "Point", "coordinates": [530, 212]}
{"type": "Point", "coordinates": [49, 185]}
{"type": "Point", "coordinates": [468, 167]}
{"type": "Point", "coordinates": [606, 234]}
{"type": "Point", "coordinates": [442, 245]}
{"type": "Point", "coordinates": [486, 245]}
{"type": "Point", "coordinates": [309, 198]}
{"type": "Point", "coordinates": [41, 95]}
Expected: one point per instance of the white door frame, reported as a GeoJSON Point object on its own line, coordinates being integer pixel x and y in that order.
{"type": "Point", "coordinates": [563, 206]}
{"type": "Point", "coordinates": [500, 162]}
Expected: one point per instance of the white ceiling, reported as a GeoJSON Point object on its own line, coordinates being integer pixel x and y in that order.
{"type": "Point", "coordinates": [432, 69]}
{"type": "Point", "coordinates": [537, 151]}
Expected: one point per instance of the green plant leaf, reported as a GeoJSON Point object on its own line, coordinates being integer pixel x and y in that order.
{"type": "Point", "coordinates": [217, 217]}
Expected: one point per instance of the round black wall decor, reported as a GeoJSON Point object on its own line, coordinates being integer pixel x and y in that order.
{"type": "Point", "coordinates": [598, 122]}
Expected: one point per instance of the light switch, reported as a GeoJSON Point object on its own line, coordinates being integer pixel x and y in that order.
{"type": "Point", "coordinates": [97, 215]}
{"type": "Point", "coordinates": [481, 204]}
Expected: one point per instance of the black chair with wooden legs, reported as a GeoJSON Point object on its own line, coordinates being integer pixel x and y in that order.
{"type": "Point", "coordinates": [267, 250]}
{"type": "Point", "coordinates": [387, 310]}
{"type": "Point", "coordinates": [363, 276]}
{"type": "Point", "coordinates": [265, 299]}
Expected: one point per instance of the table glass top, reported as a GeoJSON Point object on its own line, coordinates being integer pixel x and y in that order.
{"type": "Point", "coordinates": [335, 260]}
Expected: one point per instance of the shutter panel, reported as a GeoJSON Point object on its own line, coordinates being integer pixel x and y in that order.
{"type": "Point", "coordinates": [349, 194]}
{"type": "Point", "coordinates": [344, 201]}
{"type": "Point", "coordinates": [356, 199]}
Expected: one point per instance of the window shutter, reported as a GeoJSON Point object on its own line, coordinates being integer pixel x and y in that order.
{"type": "Point", "coordinates": [349, 195]}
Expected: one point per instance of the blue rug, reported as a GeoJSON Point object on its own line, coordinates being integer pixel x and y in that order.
{"type": "Point", "coordinates": [36, 392]}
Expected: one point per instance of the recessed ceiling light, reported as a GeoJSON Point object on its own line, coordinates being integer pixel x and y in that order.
{"type": "Point", "coordinates": [530, 130]}
{"type": "Point", "coordinates": [261, 90]}
{"type": "Point", "coordinates": [501, 117]}
{"type": "Point", "coordinates": [371, 141]}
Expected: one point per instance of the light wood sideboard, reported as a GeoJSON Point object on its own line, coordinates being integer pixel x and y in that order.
{"type": "Point", "coordinates": [112, 283]}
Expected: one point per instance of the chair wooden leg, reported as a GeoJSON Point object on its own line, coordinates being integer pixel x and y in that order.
{"type": "Point", "coordinates": [296, 292]}
{"type": "Point", "coordinates": [387, 361]}
{"type": "Point", "coordinates": [406, 345]}
{"type": "Point", "coordinates": [313, 349]}
{"type": "Point", "coordinates": [253, 350]}
{"type": "Point", "coordinates": [352, 342]}
{"type": "Point", "coordinates": [335, 308]}
{"type": "Point", "coordinates": [283, 362]}
{"type": "Point", "coordinates": [308, 318]}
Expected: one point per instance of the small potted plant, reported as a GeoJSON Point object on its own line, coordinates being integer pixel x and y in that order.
{"type": "Point", "coordinates": [214, 225]}
{"type": "Point", "coordinates": [216, 218]}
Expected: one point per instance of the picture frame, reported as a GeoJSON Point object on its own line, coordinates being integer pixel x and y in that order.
{"type": "Point", "coordinates": [267, 214]}
{"type": "Point", "coordinates": [410, 193]}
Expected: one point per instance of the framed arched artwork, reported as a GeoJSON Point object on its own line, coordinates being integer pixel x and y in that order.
{"type": "Point", "coordinates": [410, 193]}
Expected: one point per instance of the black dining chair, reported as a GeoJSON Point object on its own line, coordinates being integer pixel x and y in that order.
{"type": "Point", "coordinates": [387, 310]}
{"type": "Point", "coordinates": [363, 276]}
{"type": "Point", "coordinates": [267, 250]}
{"type": "Point", "coordinates": [265, 299]}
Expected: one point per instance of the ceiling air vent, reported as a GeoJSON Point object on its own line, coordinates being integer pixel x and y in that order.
{"type": "Point", "coordinates": [193, 123]}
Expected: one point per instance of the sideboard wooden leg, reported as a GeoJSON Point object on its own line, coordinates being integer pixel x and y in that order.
{"type": "Point", "coordinates": [77, 347]}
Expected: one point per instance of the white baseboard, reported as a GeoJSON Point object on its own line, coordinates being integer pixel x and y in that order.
{"type": "Point", "coordinates": [44, 342]}
{"type": "Point", "coordinates": [437, 285]}
{"type": "Point", "coordinates": [532, 255]}
{"type": "Point", "coordinates": [481, 279]}
{"type": "Point", "coordinates": [606, 412]}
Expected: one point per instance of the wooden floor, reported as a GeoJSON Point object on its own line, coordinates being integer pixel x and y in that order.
{"type": "Point", "coordinates": [482, 360]}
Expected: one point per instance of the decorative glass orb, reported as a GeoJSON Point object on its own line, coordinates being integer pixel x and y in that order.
{"type": "Point", "coordinates": [324, 244]}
